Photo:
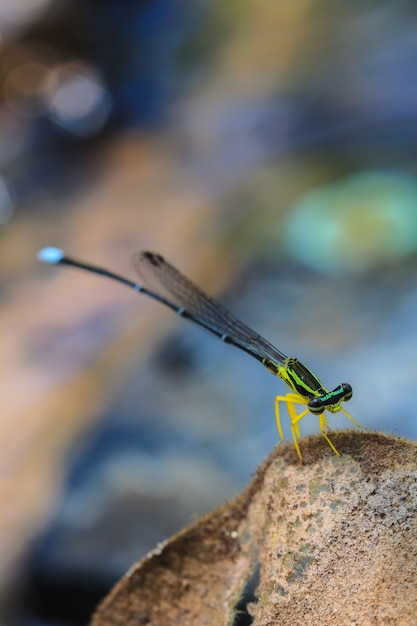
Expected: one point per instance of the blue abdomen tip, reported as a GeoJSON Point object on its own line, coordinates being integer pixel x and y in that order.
{"type": "Point", "coordinates": [50, 255]}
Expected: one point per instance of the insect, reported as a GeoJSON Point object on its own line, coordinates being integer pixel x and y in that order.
{"type": "Point", "coordinates": [168, 286]}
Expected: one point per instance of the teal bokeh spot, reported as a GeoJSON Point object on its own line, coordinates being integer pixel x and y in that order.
{"type": "Point", "coordinates": [356, 223]}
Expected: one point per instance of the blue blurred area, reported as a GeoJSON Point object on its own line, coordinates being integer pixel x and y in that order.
{"type": "Point", "coordinates": [139, 56]}
{"type": "Point", "coordinates": [82, 72]}
{"type": "Point", "coordinates": [134, 65]}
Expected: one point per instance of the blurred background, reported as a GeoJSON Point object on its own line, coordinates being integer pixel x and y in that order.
{"type": "Point", "coordinates": [268, 150]}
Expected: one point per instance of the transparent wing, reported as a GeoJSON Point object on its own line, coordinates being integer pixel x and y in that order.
{"type": "Point", "coordinates": [168, 282]}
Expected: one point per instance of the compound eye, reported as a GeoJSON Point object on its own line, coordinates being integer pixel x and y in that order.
{"type": "Point", "coordinates": [315, 406]}
{"type": "Point", "coordinates": [347, 391]}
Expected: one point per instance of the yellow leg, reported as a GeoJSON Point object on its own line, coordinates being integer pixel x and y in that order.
{"type": "Point", "coordinates": [323, 425]}
{"type": "Point", "coordinates": [277, 418]}
{"type": "Point", "coordinates": [352, 419]}
{"type": "Point", "coordinates": [291, 399]}
{"type": "Point", "coordinates": [295, 429]}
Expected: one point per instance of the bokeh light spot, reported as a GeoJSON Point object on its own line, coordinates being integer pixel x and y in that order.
{"type": "Point", "coordinates": [77, 99]}
{"type": "Point", "coordinates": [359, 222]}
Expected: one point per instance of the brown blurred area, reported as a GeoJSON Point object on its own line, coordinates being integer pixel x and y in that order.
{"type": "Point", "coordinates": [191, 130]}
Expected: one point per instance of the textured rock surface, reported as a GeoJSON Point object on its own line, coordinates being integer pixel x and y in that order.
{"type": "Point", "coordinates": [333, 541]}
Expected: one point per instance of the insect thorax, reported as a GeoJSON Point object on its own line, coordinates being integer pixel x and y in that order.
{"type": "Point", "coordinates": [300, 379]}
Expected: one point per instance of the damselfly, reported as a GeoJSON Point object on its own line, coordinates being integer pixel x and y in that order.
{"type": "Point", "coordinates": [168, 286]}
